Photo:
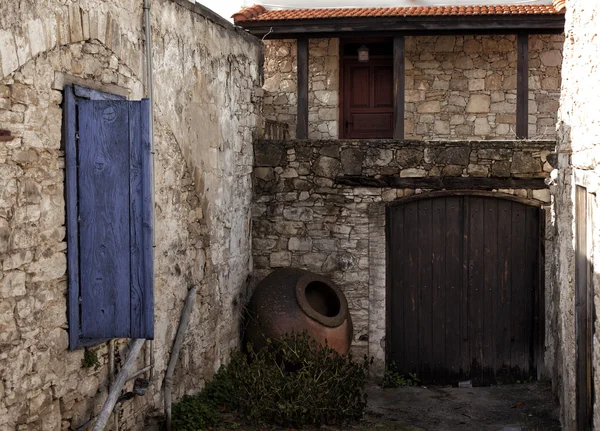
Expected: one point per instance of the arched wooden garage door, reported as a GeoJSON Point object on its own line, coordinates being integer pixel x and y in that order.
{"type": "Point", "coordinates": [464, 285]}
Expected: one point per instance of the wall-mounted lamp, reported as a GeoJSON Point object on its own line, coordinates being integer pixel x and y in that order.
{"type": "Point", "coordinates": [363, 54]}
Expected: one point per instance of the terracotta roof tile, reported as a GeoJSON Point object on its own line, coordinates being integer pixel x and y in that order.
{"type": "Point", "coordinates": [259, 13]}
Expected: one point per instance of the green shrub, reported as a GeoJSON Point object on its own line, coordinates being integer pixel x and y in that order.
{"type": "Point", "coordinates": [394, 379]}
{"type": "Point", "coordinates": [198, 412]}
{"type": "Point", "coordinates": [194, 413]}
{"type": "Point", "coordinates": [292, 382]}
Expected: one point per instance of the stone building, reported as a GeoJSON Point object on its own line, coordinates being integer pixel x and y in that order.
{"type": "Point", "coordinates": [457, 85]}
{"type": "Point", "coordinates": [575, 264]}
{"type": "Point", "coordinates": [440, 145]}
{"type": "Point", "coordinates": [469, 96]}
{"type": "Point", "coordinates": [203, 155]}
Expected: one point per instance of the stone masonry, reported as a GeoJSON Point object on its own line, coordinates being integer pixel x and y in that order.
{"type": "Point", "coordinates": [281, 86]}
{"type": "Point", "coordinates": [206, 77]}
{"type": "Point", "coordinates": [457, 87]}
{"type": "Point", "coordinates": [302, 218]}
{"type": "Point", "coordinates": [578, 164]}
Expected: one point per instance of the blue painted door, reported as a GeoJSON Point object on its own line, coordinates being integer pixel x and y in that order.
{"type": "Point", "coordinates": [110, 244]}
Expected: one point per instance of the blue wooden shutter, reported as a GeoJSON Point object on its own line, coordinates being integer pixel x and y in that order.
{"type": "Point", "coordinates": [113, 255]}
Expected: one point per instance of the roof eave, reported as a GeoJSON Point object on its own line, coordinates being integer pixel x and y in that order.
{"type": "Point", "coordinates": [337, 27]}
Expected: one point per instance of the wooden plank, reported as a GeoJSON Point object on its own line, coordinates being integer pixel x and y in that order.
{"type": "Point", "coordinates": [397, 328]}
{"type": "Point", "coordinates": [503, 297]}
{"type": "Point", "coordinates": [583, 398]}
{"type": "Point", "coordinates": [147, 319]}
{"type": "Point", "coordinates": [522, 86]}
{"type": "Point", "coordinates": [519, 294]}
{"type": "Point", "coordinates": [141, 306]}
{"type": "Point", "coordinates": [475, 295]}
{"type": "Point", "coordinates": [433, 25]}
{"type": "Point", "coordinates": [440, 183]}
{"type": "Point", "coordinates": [465, 318]}
{"type": "Point", "coordinates": [383, 34]}
{"type": "Point", "coordinates": [104, 218]}
{"type": "Point", "coordinates": [454, 277]}
{"type": "Point", "coordinates": [439, 286]}
{"type": "Point", "coordinates": [69, 133]}
{"type": "Point", "coordinates": [93, 94]}
{"type": "Point", "coordinates": [411, 289]}
{"type": "Point", "coordinates": [136, 217]}
{"type": "Point", "coordinates": [302, 118]}
{"type": "Point", "coordinates": [427, 320]}
{"type": "Point", "coordinates": [532, 243]}
{"type": "Point", "coordinates": [399, 87]}
{"type": "Point", "coordinates": [490, 283]}
{"type": "Point", "coordinates": [540, 297]}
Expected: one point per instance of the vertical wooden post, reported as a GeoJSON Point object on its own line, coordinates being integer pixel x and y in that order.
{"type": "Point", "coordinates": [399, 87]}
{"type": "Point", "coordinates": [302, 120]}
{"type": "Point", "coordinates": [522, 86]}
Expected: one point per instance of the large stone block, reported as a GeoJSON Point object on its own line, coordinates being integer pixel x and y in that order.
{"type": "Point", "coordinates": [327, 167]}
{"type": "Point", "coordinates": [378, 157]}
{"type": "Point", "coordinates": [280, 259]}
{"type": "Point", "coordinates": [409, 157]}
{"type": "Point", "coordinates": [300, 244]}
{"type": "Point", "coordinates": [478, 103]}
{"type": "Point", "coordinates": [551, 58]}
{"type": "Point", "coordinates": [453, 156]}
{"type": "Point", "coordinates": [525, 163]}
{"type": "Point", "coordinates": [268, 154]}
{"type": "Point", "coordinates": [445, 44]}
{"type": "Point", "coordinates": [352, 160]}
{"type": "Point", "coordinates": [430, 107]}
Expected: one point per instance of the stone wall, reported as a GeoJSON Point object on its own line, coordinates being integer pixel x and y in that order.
{"type": "Point", "coordinates": [457, 87]}
{"type": "Point", "coordinates": [579, 165]}
{"type": "Point", "coordinates": [281, 86]}
{"type": "Point", "coordinates": [302, 218]}
{"type": "Point", "coordinates": [206, 115]}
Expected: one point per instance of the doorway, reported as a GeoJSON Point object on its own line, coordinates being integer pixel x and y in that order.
{"type": "Point", "coordinates": [584, 311]}
{"type": "Point", "coordinates": [367, 105]}
{"type": "Point", "coordinates": [464, 288]}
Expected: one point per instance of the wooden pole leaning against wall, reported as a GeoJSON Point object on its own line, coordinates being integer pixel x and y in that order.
{"type": "Point", "coordinates": [119, 382]}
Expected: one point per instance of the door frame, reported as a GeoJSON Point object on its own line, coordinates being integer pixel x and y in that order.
{"type": "Point", "coordinates": [539, 295]}
{"type": "Point", "coordinates": [341, 67]}
{"type": "Point", "coordinates": [584, 311]}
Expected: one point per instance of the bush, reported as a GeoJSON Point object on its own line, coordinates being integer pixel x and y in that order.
{"type": "Point", "coordinates": [292, 382]}
{"type": "Point", "coordinates": [394, 379]}
{"type": "Point", "coordinates": [195, 413]}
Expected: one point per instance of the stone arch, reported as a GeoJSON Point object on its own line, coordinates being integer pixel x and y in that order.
{"type": "Point", "coordinates": [31, 38]}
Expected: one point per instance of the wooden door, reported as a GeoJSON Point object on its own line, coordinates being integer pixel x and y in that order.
{"type": "Point", "coordinates": [584, 312]}
{"type": "Point", "coordinates": [109, 217]}
{"type": "Point", "coordinates": [368, 100]}
{"type": "Point", "coordinates": [463, 284]}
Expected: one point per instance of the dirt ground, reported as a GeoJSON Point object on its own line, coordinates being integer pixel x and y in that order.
{"type": "Point", "coordinates": [521, 407]}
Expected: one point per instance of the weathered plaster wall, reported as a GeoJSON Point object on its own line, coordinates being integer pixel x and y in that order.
{"type": "Point", "coordinates": [302, 218]}
{"type": "Point", "coordinates": [206, 115]}
{"type": "Point", "coordinates": [456, 86]}
{"type": "Point", "coordinates": [578, 164]}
